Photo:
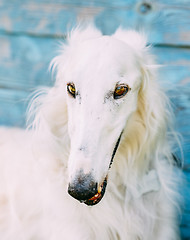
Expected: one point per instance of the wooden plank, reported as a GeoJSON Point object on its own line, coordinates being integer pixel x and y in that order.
{"type": "Point", "coordinates": [36, 17]}
{"type": "Point", "coordinates": [24, 61]}
{"type": "Point", "coordinates": [166, 22]}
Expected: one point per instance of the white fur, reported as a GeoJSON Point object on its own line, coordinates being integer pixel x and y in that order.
{"type": "Point", "coordinates": [36, 165]}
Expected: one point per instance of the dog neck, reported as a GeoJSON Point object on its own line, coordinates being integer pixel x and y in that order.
{"type": "Point", "coordinates": [150, 183]}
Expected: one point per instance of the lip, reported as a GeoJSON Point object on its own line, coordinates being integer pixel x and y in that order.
{"type": "Point", "coordinates": [102, 188]}
{"type": "Point", "coordinates": [98, 196]}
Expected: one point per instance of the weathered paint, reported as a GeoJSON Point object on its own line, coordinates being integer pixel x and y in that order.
{"type": "Point", "coordinates": [165, 21]}
{"type": "Point", "coordinates": [30, 32]}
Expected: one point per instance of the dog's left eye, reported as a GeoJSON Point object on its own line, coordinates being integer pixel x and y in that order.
{"type": "Point", "coordinates": [121, 90]}
{"type": "Point", "coordinates": [71, 89]}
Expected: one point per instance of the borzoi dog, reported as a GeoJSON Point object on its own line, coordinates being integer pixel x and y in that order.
{"type": "Point", "coordinates": [96, 162]}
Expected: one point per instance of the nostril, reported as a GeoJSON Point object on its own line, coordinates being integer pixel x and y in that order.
{"type": "Point", "coordinates": [83, 187]}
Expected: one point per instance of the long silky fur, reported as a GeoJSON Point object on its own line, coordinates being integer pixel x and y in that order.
{"type": "Point", "coordinates": [148, 140]}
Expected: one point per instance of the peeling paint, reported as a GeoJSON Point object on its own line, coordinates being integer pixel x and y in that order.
{"type": "Point", "coordinates": [88, 13]}
{"type": "Point", "coordinates": [184, 36]}
{"type": "Point", "coordinates": [5, 52]}
{"type": "Point", "coordinates": [185, 81]}
{"type": "Point", "coordinates": [6, 23]}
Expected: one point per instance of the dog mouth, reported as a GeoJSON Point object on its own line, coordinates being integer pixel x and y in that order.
{"type": "Point", "coordinates": [102, 187]}
{"type": "Point", "coordinates": [99, 195]}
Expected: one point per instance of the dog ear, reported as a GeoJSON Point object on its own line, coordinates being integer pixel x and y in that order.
{"type": "Point", "coordinates": [132, 38]}
{"type": "Point", "coordinates": [138, 42]}
{"type": "Point", "coordinates": [148, 127]}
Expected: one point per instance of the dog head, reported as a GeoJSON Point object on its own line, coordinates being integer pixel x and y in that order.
{"type": "Point", "coordinates": [101, 77]}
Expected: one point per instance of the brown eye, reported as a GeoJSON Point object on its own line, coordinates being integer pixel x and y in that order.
{"type": "Point", "coordinates": [121, 91]}
{"type": "Point", "coordinates": [71, 89]}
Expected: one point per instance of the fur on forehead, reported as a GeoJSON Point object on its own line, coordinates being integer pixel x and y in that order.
{"type": "Point", "coordinates": [133, 40]}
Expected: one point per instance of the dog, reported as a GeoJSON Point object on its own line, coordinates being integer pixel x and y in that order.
{"type": "Point", "coordinates": [96, 160]}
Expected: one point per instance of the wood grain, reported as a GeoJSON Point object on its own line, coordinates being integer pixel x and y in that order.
{"type": "Point", "coordinates": [166, 22]}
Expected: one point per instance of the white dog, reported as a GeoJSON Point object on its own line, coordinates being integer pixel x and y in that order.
{"type": "Point", "coordinates": [97, 164]}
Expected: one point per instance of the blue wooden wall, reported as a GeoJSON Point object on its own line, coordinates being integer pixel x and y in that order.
{"type": "Point", "coordinates": [30, 32]}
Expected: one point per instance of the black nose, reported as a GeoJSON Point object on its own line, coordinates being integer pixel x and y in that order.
{"type": "Point", "coordinates": [83, 187]}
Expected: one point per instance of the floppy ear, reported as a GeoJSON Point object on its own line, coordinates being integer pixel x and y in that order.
{"type": "Point", "coordinates": [138, 42]}
{"type": "Point", "coordinates": [135, 40]}
{"type": "Point", "coordinates": [146, 131]}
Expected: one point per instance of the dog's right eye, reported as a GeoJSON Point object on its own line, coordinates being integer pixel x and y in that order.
{"type": "Point", "coordinates": [121, 90]}
{"type": "Point", "coordinates": [71, 89]}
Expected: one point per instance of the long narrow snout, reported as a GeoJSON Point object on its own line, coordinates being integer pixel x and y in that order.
{"type": "Point", "coordinates": [84, 185]}
{"type": "Point", "coordinates": [95, 132]}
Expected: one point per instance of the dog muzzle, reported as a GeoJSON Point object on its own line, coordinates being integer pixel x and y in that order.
{"type": "Point", "coordinates": [85, 189]}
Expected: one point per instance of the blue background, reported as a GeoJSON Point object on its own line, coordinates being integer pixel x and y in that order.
{"type": "Point", "coordinates": [31, 30]}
